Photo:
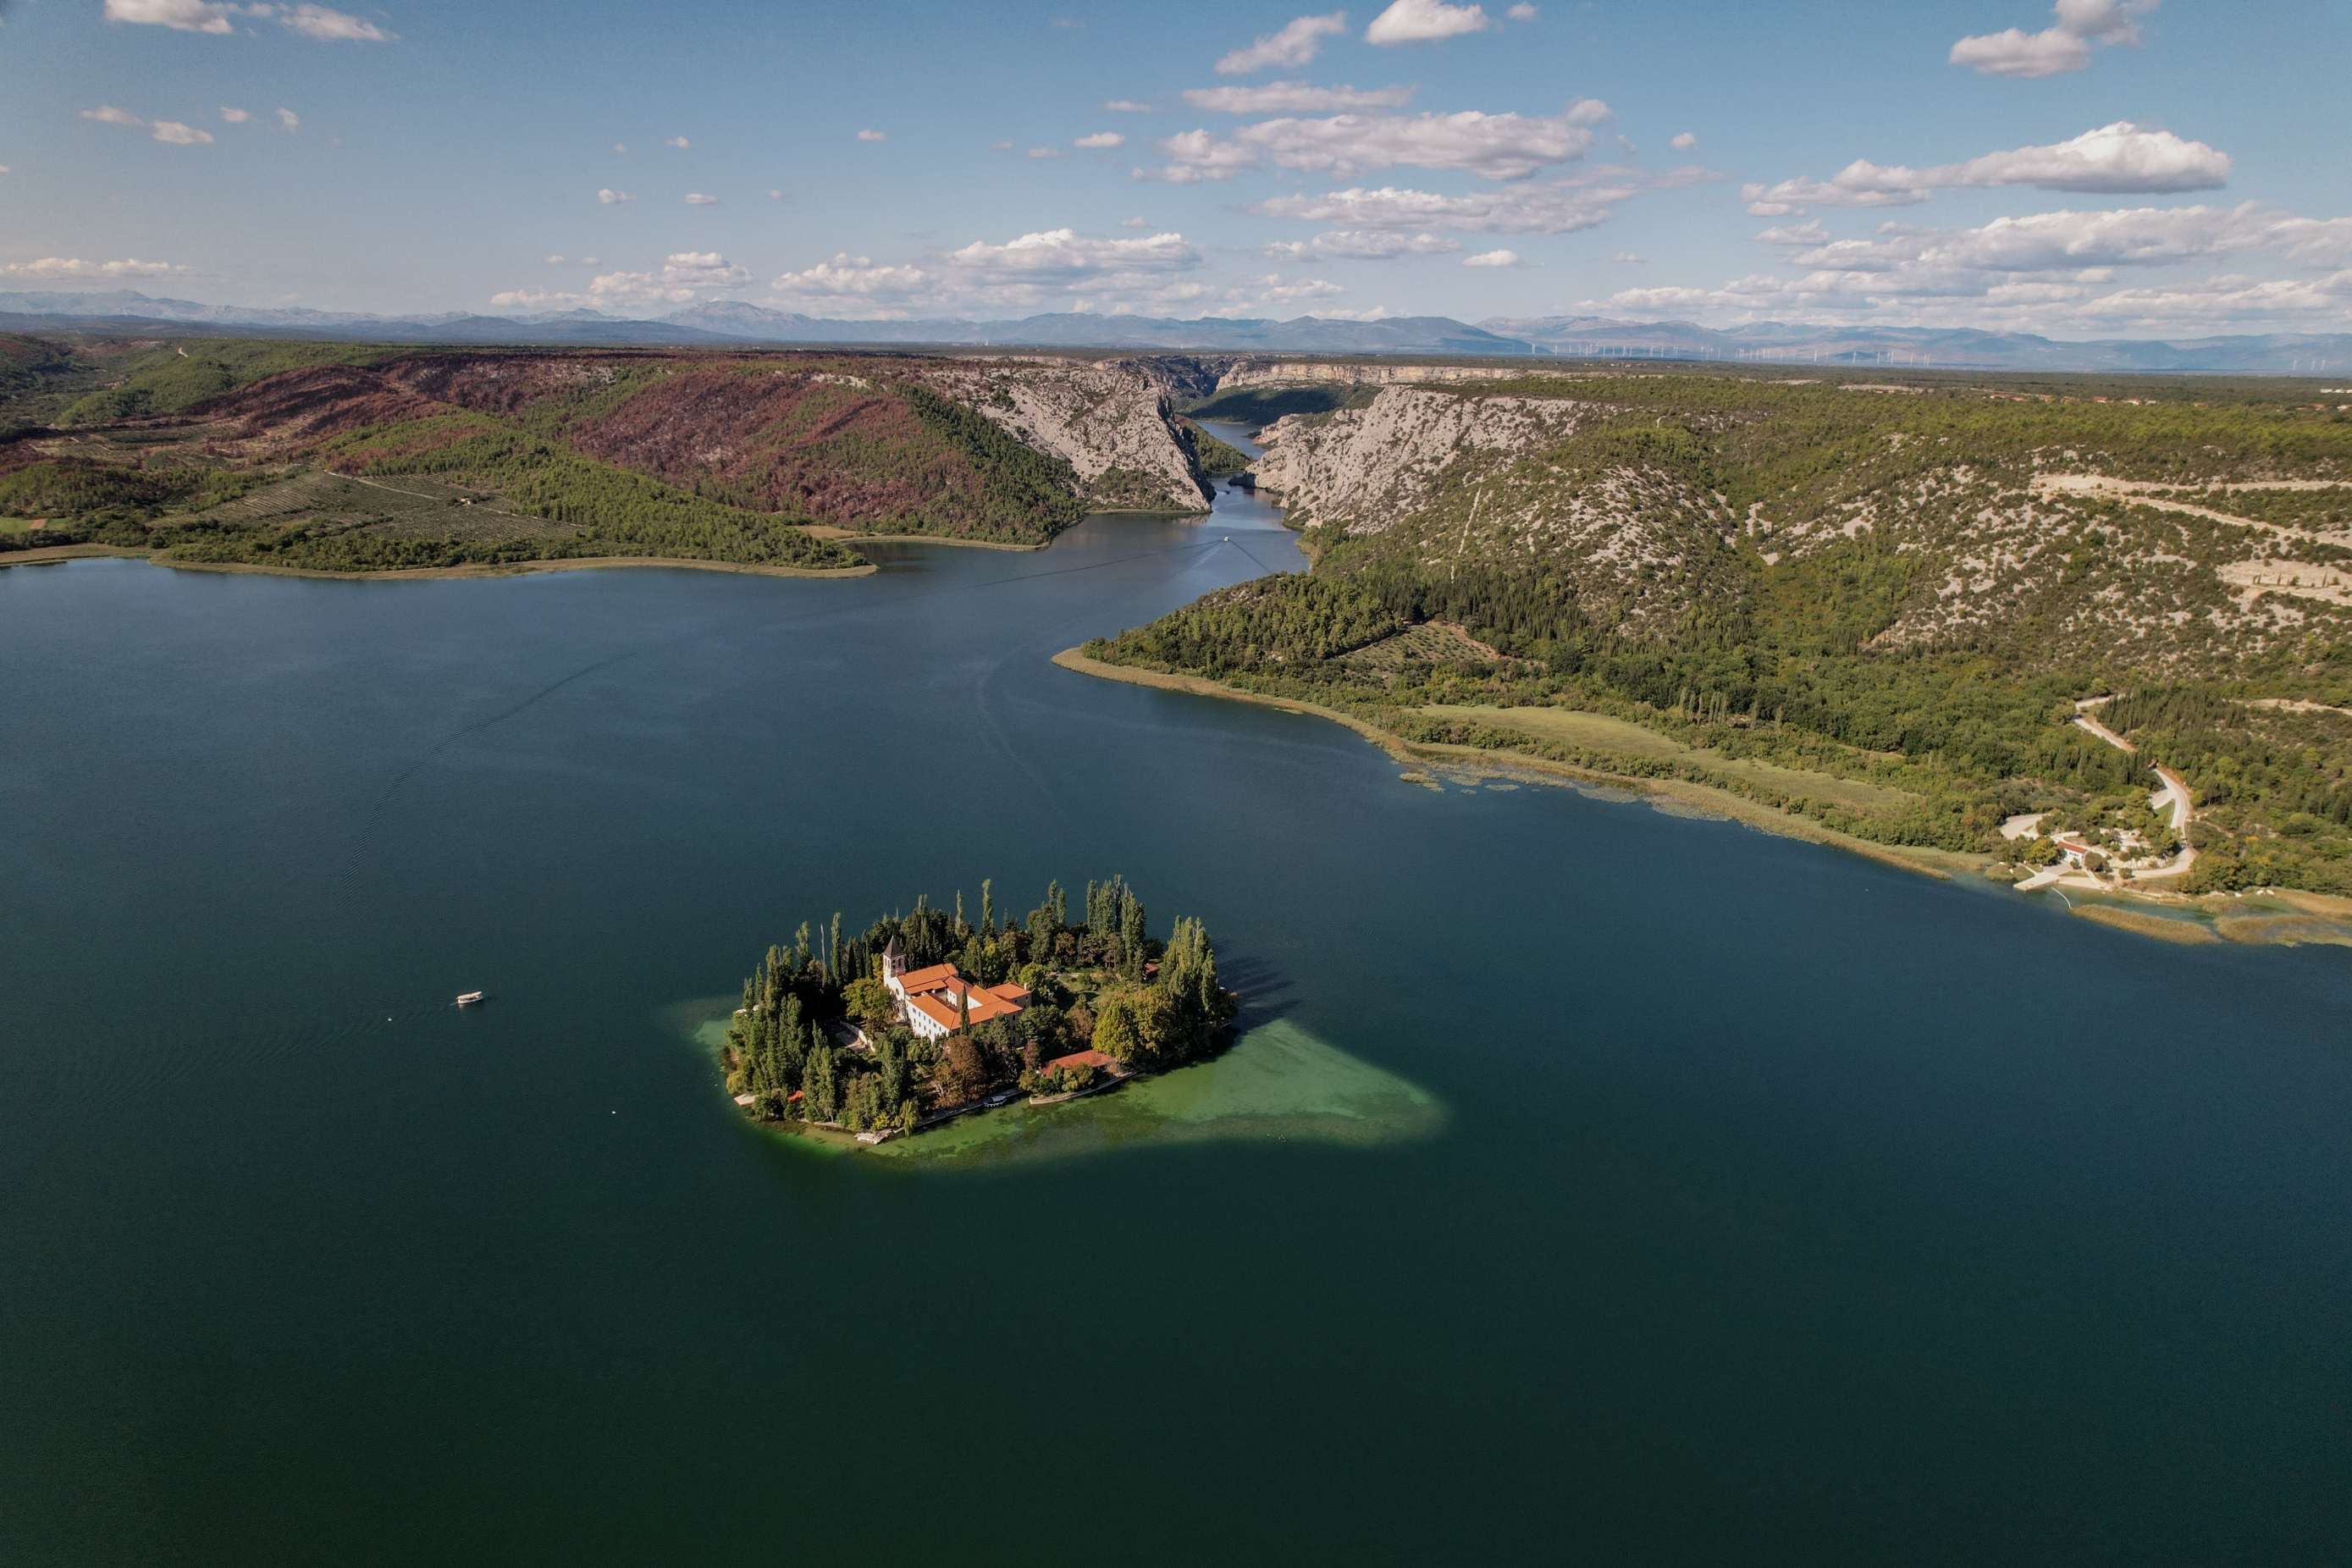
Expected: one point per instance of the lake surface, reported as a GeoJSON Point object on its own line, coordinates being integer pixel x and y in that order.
{"type": "Point", "coordinates": [1760, 1203]}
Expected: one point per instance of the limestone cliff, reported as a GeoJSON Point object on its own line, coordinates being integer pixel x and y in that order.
{"type": "Point", "coordinates": [1358, 470]}
{"type": "Point", "coordinates": [1108, 422]}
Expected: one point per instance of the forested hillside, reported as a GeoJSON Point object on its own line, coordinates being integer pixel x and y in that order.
{"type": "Point", "coordinates": [494, 456]}
{"type": "Point", "coordinates": [1903, 586]}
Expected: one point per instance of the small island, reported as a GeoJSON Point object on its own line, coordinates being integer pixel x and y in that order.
{"type": "Point", "coordinates": [927, 1015]}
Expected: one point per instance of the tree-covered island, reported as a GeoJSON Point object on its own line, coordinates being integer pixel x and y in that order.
{"type": "Point", "coordinates": [927, 1014]}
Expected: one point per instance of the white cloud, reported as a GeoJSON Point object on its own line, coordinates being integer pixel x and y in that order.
{"type": "Point", "coordinates": [169, 131]}
{"type": "Point", "coordinates": [683, 278]}
{"type": "Point", "coordinates": [289, 119]}
{"type": "Point", "coordinates": [776, 196]}
{"type": "Point", "coordinates": [1122, 106]}
{"type": "Point", "coordinates": [1272, 290]}
{"type": "Point", "coordinates": [1493, 146]}
{"type": "Point", "coordinates": [1056, 268]}
{"type": "Point", "coordinates": [1044, 153]}
{"type": "Point", "coordinates": [1491, 259]}
{"type": "Point", "coordinates": [1553, 208]}
{"type": "Point", "coordinates": [999, 146]}
{"type": "Point", "coordinates": [1684, 141]}
{"type": "Point", "coordinates": [205, 17]}
{"type": "Point", "coordinates": [75, 268]}
{"type": "Point", "coordinates": [620, 146]}
{"type": "Point", "coordinates": [1628, 256]}
{"type": "Point", "coordinates": [1810, 232]}
{"type": "Point", "coordinates": [1294, 98]}
{"type": "Point", "coordinates": [590, 261]}
{"type": "Point", "coordinates": [873, 136]}
{"type": "Point", "coordinates": [186, 15]}
{"type": "Point", "coordinates": [555, 261]}
{"type": "Point", "coordinates": [2051, 272]}
{"type": "Point", "coordinates": [1521, 13]}
{"type": "Point", "coordinates": [853, 281]}
{"type": "Point", "coordinates": [2057, 50]}
{"type": "Point", "coordinates": [696, 199]}
{"type": "Point", "coordinates": [1100, 139]}
{"type": "Point", "coordinates": [2113, 159]}
{"type": "Point", "coordinates": [2071, 241]}
{"type": "Point", "coordinates": [1136, 222]}
{"type": "Point", "coordinates": [1420, 21]}
{"type": "Point", "coordinates": [327, 27]}
{"type": "Point", "coordinates": [681, 142]}
{"type": "Point", "coordinates": [235, 116]}
{"type": "Point", "coordinates": [1361, 245]}
{"type": "Point", "coordinates": [611, 197]}
{"type": "Point", "coordinates": [1061, 253]}
{"type": "Point", "coordinates": [62, 268]}
{"type": "Point", "coordinates": [1294, 45]}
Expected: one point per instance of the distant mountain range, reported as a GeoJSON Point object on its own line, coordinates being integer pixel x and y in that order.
{"type": "Point", "coordinates": [736, 321]}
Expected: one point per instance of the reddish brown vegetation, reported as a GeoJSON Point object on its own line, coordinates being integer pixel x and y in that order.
{"type": "Point", "coordinates": [778, 440]}
{"type": "Point", "coordinates": [302, 407]}
{"type": "Point", "coordinates": [507, 382]}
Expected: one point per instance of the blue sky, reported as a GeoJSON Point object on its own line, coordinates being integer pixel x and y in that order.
{"type": "Point", "coordinates": [2110, 168]}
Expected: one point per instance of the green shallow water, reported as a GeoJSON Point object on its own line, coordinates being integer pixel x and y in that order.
{"type": "Point", "coordinates": [1277, 1083]}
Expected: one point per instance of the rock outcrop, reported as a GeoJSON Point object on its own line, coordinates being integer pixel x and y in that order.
{"type": "Point", "coordinates": [1108, 422]}
{"type": "Point", "coordinates": [1360, 469]}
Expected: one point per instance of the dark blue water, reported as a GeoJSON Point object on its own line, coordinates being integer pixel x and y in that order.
{"type": "Point", "coordinates": [1789, 1208]}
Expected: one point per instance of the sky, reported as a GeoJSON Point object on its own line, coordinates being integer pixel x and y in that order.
{"type": "Point", "coordinates": [2104, 168]}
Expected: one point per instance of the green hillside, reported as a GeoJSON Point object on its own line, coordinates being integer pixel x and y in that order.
{"type": "Point", "coordinates": [1877, 586]}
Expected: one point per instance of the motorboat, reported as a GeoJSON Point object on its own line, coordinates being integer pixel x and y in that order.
{"type": "Point", "coordinates": [468, 998]}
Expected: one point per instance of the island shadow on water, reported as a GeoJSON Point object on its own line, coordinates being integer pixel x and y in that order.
{"type": "Point", "coordinates": [1277, 1083]}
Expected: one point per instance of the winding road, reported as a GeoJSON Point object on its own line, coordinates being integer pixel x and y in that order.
{"type": "Point", "coordinates": [2174, 795]}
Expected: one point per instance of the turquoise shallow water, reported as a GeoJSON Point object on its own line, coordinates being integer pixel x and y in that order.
{"type": "Point", "coordinates": [1592, 1185]}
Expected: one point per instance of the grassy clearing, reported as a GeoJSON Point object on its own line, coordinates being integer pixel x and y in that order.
{"type": "Point", "coordinates": [2281, 930]}
{"type": "Point", "coordinates": [1599, 733]}
{"type": "Point", "coordinates": [2186, 932]}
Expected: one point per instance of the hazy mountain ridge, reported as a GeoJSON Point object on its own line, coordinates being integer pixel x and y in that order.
{"type": "Point", "coordinates": [735, 320]}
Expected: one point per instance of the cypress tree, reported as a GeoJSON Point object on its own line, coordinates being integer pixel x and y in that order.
{"type": "Point", "coordinates": [819, 1087]}
{"type": "Point", "coordinates": [1131, 933]}
{"type": "Point", "coordinates": [987, 908]}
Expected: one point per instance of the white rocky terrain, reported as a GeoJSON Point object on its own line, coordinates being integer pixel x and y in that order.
{"type": "Point", "coordinates": [1108, 422]}
{"type": "Point", "coordinates": [2174, 578]}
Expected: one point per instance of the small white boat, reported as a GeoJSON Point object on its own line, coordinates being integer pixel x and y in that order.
{"type": "Point", "coordinates": [468, 998]}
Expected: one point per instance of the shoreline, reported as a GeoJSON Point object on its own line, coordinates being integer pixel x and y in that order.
{"type": "Point", "coordinates": [2267, 917]}
{"type": "Point", "coordinates": [1939, 864]}
{"type": "Point", "coordinates": [827, 530]}
{"type": "Point", "coordinates": [48, 554]}
{"type": "Point", "coordinates": [424, 574]}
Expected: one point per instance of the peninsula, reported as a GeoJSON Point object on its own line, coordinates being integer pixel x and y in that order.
{"type": "Point", "coordinates": [927, 1015]}
{"type": "Point", "coordinates": [1881, 612]}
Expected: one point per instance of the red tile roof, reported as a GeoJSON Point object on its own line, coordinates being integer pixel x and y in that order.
{"type": "Point", "coordinates": [930, 979]}
{"type": "Point", "coordinates": [1083, 1059]}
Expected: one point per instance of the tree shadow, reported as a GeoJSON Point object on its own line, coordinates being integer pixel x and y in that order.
{"type": "Point", "coordinates": [1267, 993]}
